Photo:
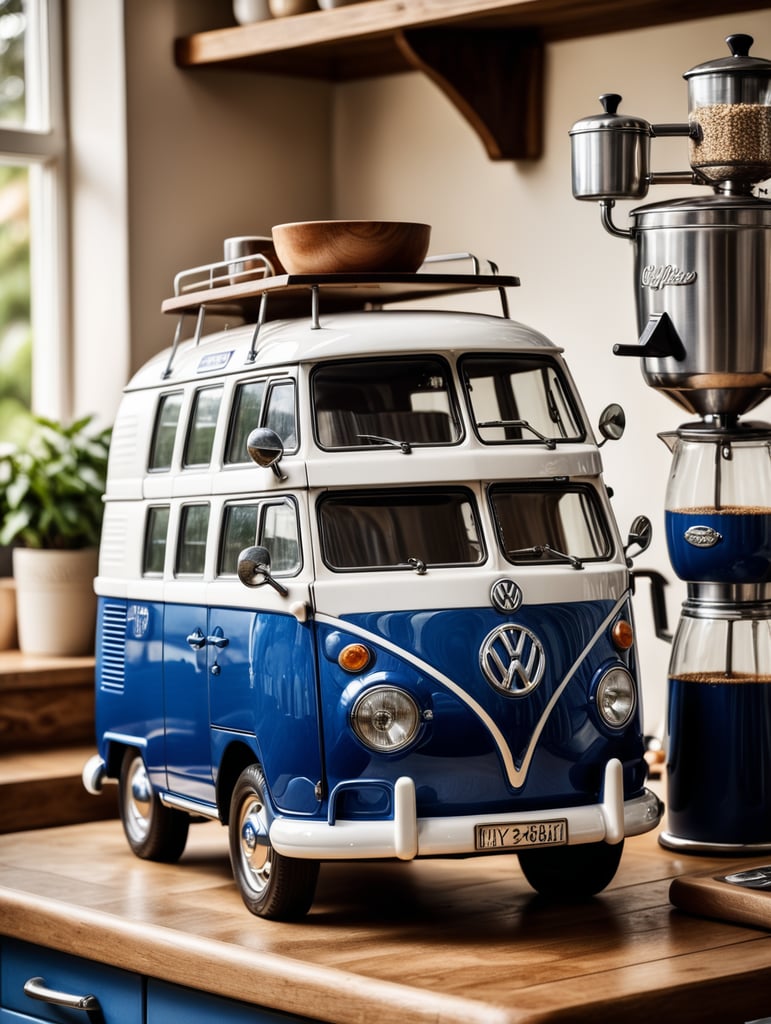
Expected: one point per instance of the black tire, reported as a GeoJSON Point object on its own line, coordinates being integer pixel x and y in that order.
{"type": "Point", "coordinates": [154, 832]}
{"type": "Point", "coordinates": [271, 886]}
{"type": "Point", "coordinates": [571, 873]}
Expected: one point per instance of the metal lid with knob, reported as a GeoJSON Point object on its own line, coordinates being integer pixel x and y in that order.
{"type": "Point", "coordinates": [739, 63]}
{"type": "Point", "coordinates": [611, 120]}
{"type": "Point", "coordinates": [610, 154]}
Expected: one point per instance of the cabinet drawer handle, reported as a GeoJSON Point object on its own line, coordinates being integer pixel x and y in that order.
{"type": "Point", "coordinates": [36, 988]}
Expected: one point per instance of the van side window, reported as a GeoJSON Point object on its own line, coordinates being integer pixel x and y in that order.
{"type": "Point", "coordinates": [517, 399]}
{"type": "Point", "coordinates": [280, 413]}
{"type": "Point", "coordinates": [191, 546]}
{"type": "Point", "coordinates": [279, 535]}
{"type": "Point", "coordinates": [382, 402]}
{"type": "Point", "coordinates": [247, 409]}
{"type": "Point", "coordinates": [261, 403]}
{"type": "Point", "coordinates": [239, 530]}
{"type": "Point", "coordinates": [156, 530]}
{"type": "Point", "coordinates": [273, 524]}
{"type": "Point", "coordinates": [165, 430]}
{"type": "Point", "coordinates": [400, 530]}
{"type": "Point", "coordinates": [203, 423]}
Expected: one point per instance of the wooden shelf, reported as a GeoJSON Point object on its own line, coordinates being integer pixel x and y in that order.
{"type": "Point", "coordinates": [485, 55]}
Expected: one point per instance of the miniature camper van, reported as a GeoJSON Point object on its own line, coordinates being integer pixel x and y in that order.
{"type": "Point", "coordinates": [362, 594]}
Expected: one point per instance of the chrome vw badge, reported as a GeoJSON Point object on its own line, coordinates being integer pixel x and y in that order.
{"type": "Point", "coordinates": [505, 595]}
{"type": "Point", "coordinates": [512, 659]}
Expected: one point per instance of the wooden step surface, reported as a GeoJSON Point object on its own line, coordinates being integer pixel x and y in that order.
{"type": "Point", "coordinates": [46, 736]}
{"type": "Point", "coordinates": [44, 788]}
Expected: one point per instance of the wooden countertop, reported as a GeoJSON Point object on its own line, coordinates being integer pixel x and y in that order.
{"type": "Point", "coordinates": [445, 941]}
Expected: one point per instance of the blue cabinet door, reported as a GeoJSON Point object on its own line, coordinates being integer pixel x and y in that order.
{"type": "Point", "coordinates": [171, 1004]}
{"type": "Point", "coordinates": [120, 993]}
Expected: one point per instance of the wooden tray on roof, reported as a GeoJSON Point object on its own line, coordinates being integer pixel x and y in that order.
{"type": "Point", "coordinates": [290, 295]}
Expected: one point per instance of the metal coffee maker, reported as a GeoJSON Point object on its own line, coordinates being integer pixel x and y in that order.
{"type": "Point", "coordinates": [702, 272]}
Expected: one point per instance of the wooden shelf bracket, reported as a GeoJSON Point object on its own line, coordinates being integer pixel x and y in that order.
{"type": "Point", "coordinates": [493, 76]}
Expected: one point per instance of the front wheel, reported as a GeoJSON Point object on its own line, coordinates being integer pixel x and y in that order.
{"type": "Point", "coordinates": [154, 832]}
{"type": "Point", "coordinates": [571, 873]}
{"type": "Point", "coordinates": [271, 885]}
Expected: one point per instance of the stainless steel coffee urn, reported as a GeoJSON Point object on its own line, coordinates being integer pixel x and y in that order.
{"type": "Point", "coordinates": [702, 270]}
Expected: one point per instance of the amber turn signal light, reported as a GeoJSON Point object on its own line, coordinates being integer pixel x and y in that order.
{"type": "Point", "coordinates": [622, 634]}
{"type": "Point", "coordinates": [354, 657]}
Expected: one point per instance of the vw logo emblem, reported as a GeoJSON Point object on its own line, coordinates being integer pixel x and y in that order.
{"type": "Point", "coordinates": [505, 595]}
{"type": "Point", "coordinates": [512, 659]}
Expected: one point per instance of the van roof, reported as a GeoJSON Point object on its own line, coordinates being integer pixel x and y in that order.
{"type": "Point", "coordinates": [338, 336]}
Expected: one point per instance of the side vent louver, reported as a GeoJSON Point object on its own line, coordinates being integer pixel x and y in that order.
{"type": "Point", "coordinates": [112, 648]}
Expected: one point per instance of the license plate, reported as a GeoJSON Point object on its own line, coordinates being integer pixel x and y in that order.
{"type": "Point", "coordinates": [521, 835]}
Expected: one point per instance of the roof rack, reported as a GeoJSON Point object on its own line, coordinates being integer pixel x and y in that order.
{"type": "Point", "coordinates": [251, 294]}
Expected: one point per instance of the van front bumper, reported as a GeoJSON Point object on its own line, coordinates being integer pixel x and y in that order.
{"type": "Point", "coordinates": [405, 836]}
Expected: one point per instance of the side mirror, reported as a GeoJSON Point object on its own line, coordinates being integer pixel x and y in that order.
{"type": "Point", "coordinates": [641, 534]}
{"type": "Point", "coordinates": [612, 423]}
{"type": "Point", "coordinates": [254, 569]}
{"type": "Point", "coordinates": [266, 448]}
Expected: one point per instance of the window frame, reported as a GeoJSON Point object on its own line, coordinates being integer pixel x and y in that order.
{"type": "Point", "coordinates": [42, 148]}
{"type": "Point", "coordinates": [379, 498]}
{"type": "Point", "coordinates": [261, 505]}
{"type": "Point", "coordinates": [453, 404]}
{"type": "Point", "coordinates": [584, 491]}
{"type": "Point", "coordinates": [542, 360]}
{"type": "Point", "coordinates": [152, 514]}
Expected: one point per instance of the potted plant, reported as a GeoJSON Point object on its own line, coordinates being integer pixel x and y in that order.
{"type": "Point", "coordinates": [51, 512]}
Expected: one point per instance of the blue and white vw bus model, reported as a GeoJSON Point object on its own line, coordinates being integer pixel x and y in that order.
{"type": "Point", "coordinates": [362, 594]}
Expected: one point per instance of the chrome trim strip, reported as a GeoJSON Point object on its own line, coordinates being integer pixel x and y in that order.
{"type": "Point", "coordinates": [126, 738]}
{"type": "Point", "coordinates": [673, 842]}
{"type": "Point", "coordinates": [182, 803]}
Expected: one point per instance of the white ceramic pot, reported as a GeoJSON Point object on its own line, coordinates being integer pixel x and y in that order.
{"type": "Point", "coordinates": [247, 11]}
{"type": "Point", "coordinates": [55, 600]}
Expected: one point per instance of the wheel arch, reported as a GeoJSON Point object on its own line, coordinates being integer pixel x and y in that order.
{"type": "Point", "coordinates": [236, 758]}
{"type": "Point", "coordinates": [114, 753]}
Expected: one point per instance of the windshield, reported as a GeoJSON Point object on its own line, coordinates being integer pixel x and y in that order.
{"type": "Point", "coordinates": [399, 529]}
{"type": "Point", "coordinates": [385, 403]}
{"type": "Point", "coordinates": [520, 399]}
{"type": "Point", "coordinates": [552, 523]}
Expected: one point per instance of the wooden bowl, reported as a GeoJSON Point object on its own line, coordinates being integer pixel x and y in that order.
{"type": "Point", "coordinates": [351, 246]}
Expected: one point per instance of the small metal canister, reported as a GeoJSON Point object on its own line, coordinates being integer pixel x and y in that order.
{"type": "Point", "coordinates": [729, 103]}
{"type": "Point", "coordinates": [610, 154]}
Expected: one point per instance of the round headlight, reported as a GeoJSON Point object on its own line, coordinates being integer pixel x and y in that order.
{"type": "Point", "coordinates": [385, 719]}
{"type": "Point", "coordinates": [616, 697]}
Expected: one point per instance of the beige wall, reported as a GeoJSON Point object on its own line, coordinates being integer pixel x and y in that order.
{"type": "Point", "coordinates": [214, 153]}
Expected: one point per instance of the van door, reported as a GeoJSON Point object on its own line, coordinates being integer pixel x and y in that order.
{"type": "Point", "coordinates": [261, 658]}
{"type": "Point", "coordinates": [185, 661]}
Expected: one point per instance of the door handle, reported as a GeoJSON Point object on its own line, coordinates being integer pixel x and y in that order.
{"type": "Point", "coordinates": [196, 640]}
{"type": "Point", "coordinates": [36, 988]}
{"type": "Point", "coordinates": [218, 638]}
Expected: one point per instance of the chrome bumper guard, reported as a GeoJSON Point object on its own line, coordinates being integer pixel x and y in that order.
{"type": "Point", "coordinates": [406, 836]}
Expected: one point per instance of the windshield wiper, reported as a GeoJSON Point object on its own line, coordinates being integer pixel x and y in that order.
{"type": "Point", "coordinates": [548, 441]}
{"type": "Point", "coordinates": [547, 549]}
{"type": "Point", "coordinates": [405, 446]}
